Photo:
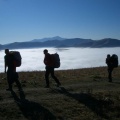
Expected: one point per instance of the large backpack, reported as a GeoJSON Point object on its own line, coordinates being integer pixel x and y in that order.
{"type": "Point", "coordinates": [16, 57]}
{"type": "Point", "coordinates": [114, 59]}
{"type": "Point", "coordinates": [56, 60]}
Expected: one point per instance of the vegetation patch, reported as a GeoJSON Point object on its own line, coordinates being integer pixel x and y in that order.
{"type": "Point", "coordinates": [84, 94]}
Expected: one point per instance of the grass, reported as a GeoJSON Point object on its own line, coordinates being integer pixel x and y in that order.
{"type": "Point", "coordinates": [84, 94]}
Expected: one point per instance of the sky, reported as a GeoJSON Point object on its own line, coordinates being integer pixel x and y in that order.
{"type": "Point", "coordinates": [25, 20]}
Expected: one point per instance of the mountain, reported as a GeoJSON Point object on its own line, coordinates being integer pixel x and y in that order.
{"type": "Point", "coordinates": [47, 39]}
{"type": "Point", "coordinates": [1, 47]}
{"type": "Point", "coordinates": [107, 42]}
{"type": "Point", "coordinates": [75, 42]}
{"type": "Point", "coordinates": [49, 43]}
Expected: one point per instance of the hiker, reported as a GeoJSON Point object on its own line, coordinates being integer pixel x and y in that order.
{"type": "Point", "coordinates": [109, 63]}
{"type": "Point", "coordinates": [49, 62]}
{"type": "Point", "coordinates": [10, 67]}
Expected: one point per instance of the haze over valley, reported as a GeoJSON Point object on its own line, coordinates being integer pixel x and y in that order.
{"type": "Point", "coordinates": [71, 58]}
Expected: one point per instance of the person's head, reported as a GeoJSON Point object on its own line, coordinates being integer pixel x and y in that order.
{"type": "Point", "coordinates": [108, 55]}
{"type": "Point", "coordinates": [45, 51]}
{"type": "Point", "coordinates": [6, 51]}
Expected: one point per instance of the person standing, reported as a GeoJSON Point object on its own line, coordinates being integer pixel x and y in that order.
{"type": "Point", "coordinates": [48, 61]}
{"type": "Point", "coordinates": [10, 69]}
{"type": "Point", "coordinates": [109, 63]}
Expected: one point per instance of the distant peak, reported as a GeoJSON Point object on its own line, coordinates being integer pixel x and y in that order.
{"type": "Point", "coordinates": [57, 37]}
{"type": "Point", "coordinates": [48, 38]}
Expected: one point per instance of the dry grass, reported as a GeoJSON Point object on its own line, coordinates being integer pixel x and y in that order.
{"type": "Point", "coordinates": [84, 94]}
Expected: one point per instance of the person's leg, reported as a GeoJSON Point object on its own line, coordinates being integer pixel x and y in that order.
{"type": "Point", "coordinates": [110, 74]}
{"type": "Point", "coordinates": [21, 92]}
{"type": "Point", "coordinates": [16, 78]}
{"type": "Point", "coordinates": [54, 77]}
{"type": "Point", "coordinates": [9, 81]}
{"type": "Point", "coordinates": [47, 72]}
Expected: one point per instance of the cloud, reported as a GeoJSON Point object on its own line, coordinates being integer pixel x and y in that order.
{"type": "Point", "coordinates": [71, 58]}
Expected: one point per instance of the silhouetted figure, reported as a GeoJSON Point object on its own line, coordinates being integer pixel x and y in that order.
{"type": "Point", "coordinates": [109, 63]}
{"type": "Point", "coordinates": [12, 75]}
{"type": "Point", "coordinates": [48, 61]}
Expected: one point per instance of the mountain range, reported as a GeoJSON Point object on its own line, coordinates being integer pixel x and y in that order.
{"type": "Point", "coordinates": [63, 42]}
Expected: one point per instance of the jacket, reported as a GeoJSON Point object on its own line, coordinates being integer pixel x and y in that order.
{"type": "Point", "coordinates": [48, 60]}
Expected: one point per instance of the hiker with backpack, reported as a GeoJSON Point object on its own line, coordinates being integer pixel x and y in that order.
{"type": "Point", "coordinates": [49, 63]}
{"type": "Point", "coordinates": [112, 62]}
{"type": "Point", "coordinates": [10, 69]}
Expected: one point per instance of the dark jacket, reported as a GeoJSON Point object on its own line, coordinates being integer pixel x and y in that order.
{"type": "Point", "coordinates": [109, 62]}
{"type": "Point", "coordinates": [9, 62]}
{"type": "Point", "coordinates": [48, 60]}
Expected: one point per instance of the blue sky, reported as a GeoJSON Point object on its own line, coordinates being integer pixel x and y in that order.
{"type": "Point", "coordinates": [24, 20]}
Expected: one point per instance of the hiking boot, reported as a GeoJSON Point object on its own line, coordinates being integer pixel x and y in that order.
{"type": "Point", "coordinates": [59, 84]}
{"type": "Point", "coordinates": [20, 90]}
{"type": "Point", "coordinates": [9, 89]}
{"type": "Point", "coordinates": [22, 95]}
{"type": "Point", "coordinates": [110, 80]}
{"type": "Point", "coordinates": [47, 86]}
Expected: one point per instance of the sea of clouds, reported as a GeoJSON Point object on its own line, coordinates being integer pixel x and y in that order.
{"type": "Point", "coordinates": [71, 58]}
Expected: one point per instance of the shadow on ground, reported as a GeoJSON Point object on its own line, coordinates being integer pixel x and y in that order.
{"type": "Point", "coordinates": [98, 106]}
{"type": "Point", "coordinates": [32, 110]}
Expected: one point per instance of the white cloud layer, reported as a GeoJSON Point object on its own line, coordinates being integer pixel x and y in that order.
{"type": "Point", "coordinates": [71, 58]}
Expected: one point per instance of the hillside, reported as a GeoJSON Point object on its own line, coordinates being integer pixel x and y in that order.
{"type": "Point", "coordinates": [74, 42]}
{"type": "Point", "coordinates": [84, 94]}
{"type": "Point", "coordinates": [108, 42]}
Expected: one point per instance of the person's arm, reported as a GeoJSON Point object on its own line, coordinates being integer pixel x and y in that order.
{"type": "Point", "coordinates": [106, 61]}
{"type": "Point", "coordinates": [46, 59]}
{"type": "Point", "coordinates": [5, 65]}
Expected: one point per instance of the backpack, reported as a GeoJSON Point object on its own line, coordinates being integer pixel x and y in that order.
{"type": "Point", "coordinates": [56, 60]}
{"type": "Point", "coordinates": [114, 59]}
{"type": "Point", "coordinates": [16, 57]}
